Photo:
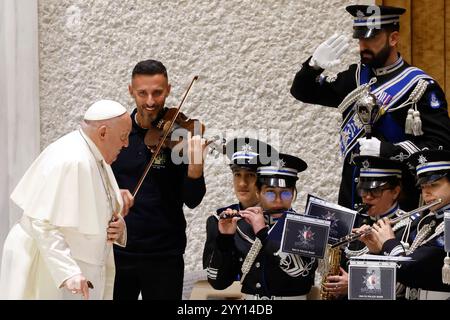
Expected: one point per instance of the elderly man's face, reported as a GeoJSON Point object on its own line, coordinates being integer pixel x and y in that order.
{"type": "Point", "coordinates": [116, 137]}
{"type": "Point", "coordinates": [149, 93]}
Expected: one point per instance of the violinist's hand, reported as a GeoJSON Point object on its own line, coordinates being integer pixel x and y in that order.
{"type": "Point", "coordinates": [228, 226]}
{"type": "Point", "coordinates": [196, 148]}
{"type": "Point", "coordinates": [128, 201]}
{"type": "Point", "coordinates": [255, 217]}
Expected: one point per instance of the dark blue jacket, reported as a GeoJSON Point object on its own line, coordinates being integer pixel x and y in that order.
{"type": "Point", "coordinates": [156, 223]}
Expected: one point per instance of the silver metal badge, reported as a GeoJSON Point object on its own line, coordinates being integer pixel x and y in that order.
{"type": "Point", "coordinates": [366, 164]}
{"type": "Point", "coordinates": [281, 163]}
{"type": "Point", "coordinates": [246, 147]}
{"type": "Point", "coordinates": [422, 159]}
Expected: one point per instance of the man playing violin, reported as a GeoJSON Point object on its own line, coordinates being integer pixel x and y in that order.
{"type": "Point", "coordinates": [152, 263]}
{"type": "Point", "coordinates": [245, 248]}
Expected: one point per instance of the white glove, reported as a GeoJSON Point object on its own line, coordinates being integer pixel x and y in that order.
{"type": "Point", "coordinates": [369, 147]}
{"type": "Point", "coordinates": [328, 53]}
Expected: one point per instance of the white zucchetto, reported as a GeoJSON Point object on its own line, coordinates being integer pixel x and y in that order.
{"type": "Point", "coordinates": [104, 110]}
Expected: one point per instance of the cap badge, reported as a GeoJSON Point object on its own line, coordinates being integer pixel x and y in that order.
{"type": "Point", "coordinates": [366, 164]}
{"type": "Point", "coordinates": [246, 147]}
{"type": "Point", "coordinates": [422, 159]}
{"type": "Point", "coordinates": [281, 163]}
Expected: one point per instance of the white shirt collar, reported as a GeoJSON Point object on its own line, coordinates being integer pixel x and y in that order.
{"type": "Point", "coordinates": [386, 70]}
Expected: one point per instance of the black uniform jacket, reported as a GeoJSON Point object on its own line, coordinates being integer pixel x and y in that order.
{"type": "Point", "coordinates": [155, 224]}
{"type": "Point", "coordinates": [310, 87]}
{"type": "Point", "coordinates": [424, 270]}
{"type": "Point", "coordinates": [272, 274]}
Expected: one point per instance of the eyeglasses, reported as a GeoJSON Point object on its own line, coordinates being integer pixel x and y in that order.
{"type": "Point", "coordinates": [374, 193]}
{"type": "Point", "coordinates": [285, 195]}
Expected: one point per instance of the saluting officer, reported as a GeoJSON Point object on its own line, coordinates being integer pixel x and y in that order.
{"type": "Point", "coordinates": [246, 248]}
{"type": "Point", "coordinates": [413, 106]}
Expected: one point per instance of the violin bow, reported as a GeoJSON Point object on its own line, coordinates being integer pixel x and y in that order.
{"type": "Point", "coordinates": [166, 133]}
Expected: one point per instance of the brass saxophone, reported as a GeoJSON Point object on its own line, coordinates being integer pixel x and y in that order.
{"type": "Point", "coordinates": [332, 262]}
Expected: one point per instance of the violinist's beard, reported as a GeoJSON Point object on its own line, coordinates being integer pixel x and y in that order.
{"type": "Point", "coordinates": [148, 117]}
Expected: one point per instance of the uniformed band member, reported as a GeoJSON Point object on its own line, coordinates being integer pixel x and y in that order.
{"type": "Point", "coordinates": [423, 273]}
{"type": "Point", "coordinates": [242, 153]}
{"type": "Point", "coordinates": [380, 187]}
{"type": "Point", "coordinates": [414, 109]}
{"type": "Point", "coordinates": [246, 247]}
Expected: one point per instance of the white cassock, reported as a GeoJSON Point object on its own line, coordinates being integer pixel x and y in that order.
{"type": "Point", "coordinates": [66, 211]}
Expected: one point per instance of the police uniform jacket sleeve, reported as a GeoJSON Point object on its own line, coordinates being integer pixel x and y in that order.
{"type": "Point", "coordinates": [435, 125]}
{"type": "Point", "coordinates": [221, 259]}
{"type": "Point", "coordinates": [424, 270]}
{"type": "Point", "coordinates": [212, 230]}
{"type": "Point", "coordinates": [310, 86]}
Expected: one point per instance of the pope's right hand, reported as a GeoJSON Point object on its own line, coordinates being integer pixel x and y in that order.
{"type": "Point", "coordinates": [328, 53]}
{"type": "Point", "coordinates": [78, 284]}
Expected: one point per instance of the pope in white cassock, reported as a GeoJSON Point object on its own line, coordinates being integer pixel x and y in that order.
{"type": "Point", "coordinates": [62, 246]}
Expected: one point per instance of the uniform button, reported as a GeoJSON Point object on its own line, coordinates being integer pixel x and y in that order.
{"type": "Point", "coordinates": [356, 179]}
{"type": "Point", "coordinates": [257, 264]}
{"type": "Point", "coordinates": [258, 285]}
{"type": "Point", "coordinates": [240, 259]}
{"type": "Point", "coordinates": [140, 153]}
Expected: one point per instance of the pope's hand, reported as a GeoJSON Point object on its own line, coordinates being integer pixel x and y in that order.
{"type": "Point", "coordinates": [369, 147]}
{"type": "Point", "coordinates": [78, 284]}
{"type": "Point", "coordinates": [115, 229]}
{"type": "Point", "coordinates": [328, 53]}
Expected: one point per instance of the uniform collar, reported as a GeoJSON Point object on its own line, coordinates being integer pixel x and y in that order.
{"type": "Point", "coordinates": [389, 69]}
{"type": "Point", "coordinates": [394, 210]}
{"type": "Point", "coordinates": [440, 212]}
{"type": "Point", "coordinates": [270, 220]}
{"type": "Point", "coordinates": [92, 146]}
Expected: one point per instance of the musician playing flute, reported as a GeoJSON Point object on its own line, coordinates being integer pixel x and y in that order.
{"type": "Point", "coordinates": [245, 248]}
{"type": "Point", "coordinates": [424, 275]}
{"type": "Point", "coordinates": [380, 187]}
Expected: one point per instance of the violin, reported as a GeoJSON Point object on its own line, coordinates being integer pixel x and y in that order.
{"type": "Point", "coordinates": [156, 132]}
{"type": "Point", "coordinates": [158, 135]}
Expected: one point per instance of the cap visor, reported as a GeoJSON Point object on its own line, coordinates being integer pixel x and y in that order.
{"type": "Point", "coordinates": [429, 178]}
{"type": "Point", "coordinates": [278, 182]}
{"type": "Point", "coordinates": [364, 33]}
{"type": "Point", "coordinates": [370, 184]}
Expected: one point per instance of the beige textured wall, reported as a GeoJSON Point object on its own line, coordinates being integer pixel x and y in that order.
{"type": "Point", "coordinates": [246, 53]}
